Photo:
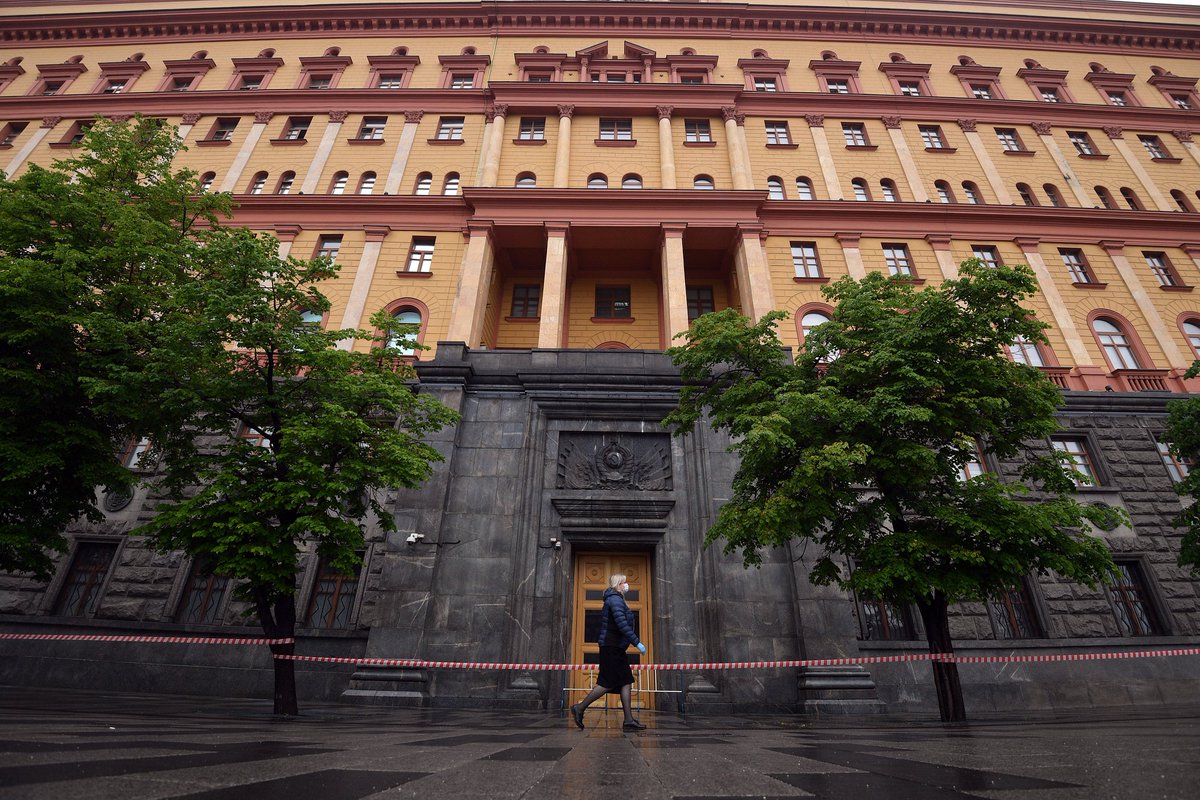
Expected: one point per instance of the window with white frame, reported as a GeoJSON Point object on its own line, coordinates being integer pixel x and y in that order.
{"type": "Point", "coordinates": [1115, 344]}
{"type": "Point", "coordinates": [1077, 266]}
{"type": "Point", "coordinates": [366, 184]}
{"type": "Point", "coordinates": [986, 253]}
{"type": "Point", "coordinates": [1191, 329]}
{"type": "Point", "coordinates": [909, 88]}
{"type": "Point", "coordinates": [424, 184]}
{"type": "Point", "coordinates": [766, 84]}
{"type": "Point", "coordinates": [971, 192]}
{"type": "Point", "coordinates": [450, 128]}
{"type": "Point", "coordinates": [931, 136]}
{"type": "Point", "coordinates": [887, 188]}
{"type": "Point", "coordinates": [944, 193]}
{"type": "Point", "coordinates": [1082, 142]}
{"type": "Point", "coordinates": [804, 189]}
{"type": "Point", "coordinates": [981, 91]}
{"type": "Point", "coordinates": [1049, 94]}
{"type": "Point", "coordinates": [462, 81]}
{"type": "Point", "coordinates": [1162, 268]}
{"type": "Point", "coordinates": [1078, 458]}
{"type": "Point", "coordinates": [861, 192]}
{"type": "Point", "coordinates": [338, 185]}
{"type": "Point", "coordinates": [805, 260]}
{"type": "Point", "coordinates": [1023, 351]}
{"type": "Point", "coordinates": [855, 134]}
{"type": "Point", "coordinates": [777, 132]}
{"type": "Point", "coordinates": [450, 186]}
{"type": "Point", "coordinates": [372, 128]}
{"type": "Point", "coordinates": [328, 246]}
{"type": "Point", "coordinates": [258, 183]}
{"type": "Point", "coordinates": [1154, 146]}
{"type": "Point", "coordinates": [420, 254]}
{"type": "Point", "coordinates": [837, 86]}
{"type": "Point", "coordinates": [1009, 141]}
{"type": "Point", "coordinates": [775, 188]}
{"type": "Point", "coordinates": [285, 183]}
{"type": "Point", "coordinates": [407, 322]}
{"type": "Point", "coordinates": [1177, 467]}
{"type": "Point", "coordinates": [897, 259]}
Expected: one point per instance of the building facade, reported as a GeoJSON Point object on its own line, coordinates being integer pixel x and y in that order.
{"type": "Point", "coordinates": [553, 190]}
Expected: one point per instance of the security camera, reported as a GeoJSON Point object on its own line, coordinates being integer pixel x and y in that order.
{"type": "Point", "coordinates": [413, 538]}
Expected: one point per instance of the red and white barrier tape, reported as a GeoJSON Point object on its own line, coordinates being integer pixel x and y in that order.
{"type": "Point", "coordinates": [97, 637]}
{"type": "Point", "coordinates": [949, 658]}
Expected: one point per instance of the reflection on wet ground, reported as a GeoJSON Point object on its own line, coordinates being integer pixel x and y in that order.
{"type": "Point", "coordinates": [56, 744]}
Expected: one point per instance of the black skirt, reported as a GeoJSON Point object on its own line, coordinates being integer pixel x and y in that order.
{"type": "Point", "coordinates": [614, 668]}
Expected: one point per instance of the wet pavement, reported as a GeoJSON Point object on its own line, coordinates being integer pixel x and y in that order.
{"type": "Point", "coordinates": [58, 744]}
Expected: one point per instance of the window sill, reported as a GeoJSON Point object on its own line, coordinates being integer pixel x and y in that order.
{"type": "Point", "coordinates": [288, 142]}
{"type": "Point", "coordinates": [213, 142]}
{"type": "Point", "coordinates": [445, 141]}
{"type": "Point", "coordinates": [615, 142]}
{"type": "Point", "coordinates": [523, 319]}
{"type": "Point", "coordinates": [1180, 288]}
{"type": "Point", "coordinates": [366, 142]}
{"type": "Point", "coordinates": [1093, 156]}
{"type": "Point", "coordinates": [1167, 160]}
{"type": "Point", "coordinates": [787, 146]}
{"type": "Point", "coordinates": [862, 147]}
{"type": "Point", "coordinates": [941, 149]}
{"type": "Point", "coordinates": [63, 145]}
{"type": "Point", "coordinates": [699, 144]}
{"type": "Point", "coordinates": [615, 320]}
{"type": "Point", "coordinates": [529, 142]}
{"type": "Point", "coordinates": [1090, 285]}
{"type": "Point", "coordinates": [799, 279]}
{"type": "Point", "coordinates": [909, 280]}
{"type": "Point", "coordinates": [403, 273]}
{"type": "Point", "coordinates": [1018, 152]}
{"type": "Point", "coordinates": [6, 147]}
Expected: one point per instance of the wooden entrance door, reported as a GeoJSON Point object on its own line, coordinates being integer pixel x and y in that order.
{"type": "Point", "coordinates": [592, 571]}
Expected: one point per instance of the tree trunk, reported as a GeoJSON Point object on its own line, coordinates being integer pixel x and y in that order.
{"type": "Point", "coordinates": [945, 675]}
{"type": "Point", "coordinates": [278, 618]}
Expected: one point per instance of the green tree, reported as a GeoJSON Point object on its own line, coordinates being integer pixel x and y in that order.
{"type": "Point", "coordinates": [277, 437]}
{"type": "Point", "coordinates": [860, 445]}
{"type": "Point", "coordinates": [90, 248]}
{"type": "Point", "coordinates": [1183, 433]}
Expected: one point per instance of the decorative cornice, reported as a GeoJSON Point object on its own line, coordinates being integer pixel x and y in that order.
{"type": "Point", "coordinates": [1113, 131]}
{"type": "Point", "coordinates": [413, 116]}
{"type": "Point", "coordinates": [338, 116]}
{"type": "Point", "coordinates": [664, 112]}
{"type": "Point", "coordinates": [967, 125]}
{"type": "Point", "coordinates": [1183, 136]}
{"type": "Point", "coordinates": [263, 117]}
{"type": "Point", "coordinates": [815, 120]}
{"type": "Point", "coordinates": [191, 118]}
{"type": "Point", "coordinates": [566, 110]}
{"type": "Point", "coordinates": [729, 112]}
{"type": "Point", "coordinates": [891, 121]}
{"type": "Point", "coordinates": [1042, 128]}
{"type": "Point", "coordinates": [50, 122]}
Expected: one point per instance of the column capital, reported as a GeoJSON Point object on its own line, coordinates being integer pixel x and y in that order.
{"type": "Point", "coordinates": [891, 121]}
{"type": "Point", "coordinates": [967, 125]}
{"type": "Point", "coordinates": [1113, 246]}
{"type": "Point", "coordinates": [287, 233]}
{"type": "Point", "coordinates": [120, 117]}
{"type": "Point", "coordinates": [478, 227]}
{"type": "Point", "coordinates": [815, 120]}
{"type": "Point", "coordinates": [1042, 128]}
{"type": "Point", "coordinates": [731, 113]}
{"type": "Point", "coordinates": [1183, 136]}
{"type": "Point", "coordinates": [376, 233]}
{"type": "Point", "coordinates": [848, 239]}
{"type": "Point", "coordinates": [263, 117]}
{"type": "Point", "coordinates": [664, 112]}
{"type": "Point", "coordinates": [1114, 131]}
{"type": "Point", "coordinates": [672, 230]}
{"type": "Point", "coordinates": [413, 117]}
{"type": "Point", "coordinates": [495, 110]}
{"type": "Point", "coordinates": [50, 122]}
{"type": "Point", "coordinates": [338, 116]}
{"type": "Point", "coordinates": [191, 118]}
{"type": "Point", "coordinates": [754, 230]}
{"type": "Point", "coordinates": [556, 229]}
{"type": "Point", "coordinates": [938, 241]}
{"type": "Point", "coordinates": [566, 110]}
{"type": "Point", "coordinates": [1191, 248]}
{"type": "Point", "coordinates": [1027, 244]}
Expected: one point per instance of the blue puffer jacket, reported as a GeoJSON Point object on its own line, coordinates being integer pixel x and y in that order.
{"type": "Point", "coordinates": [616, 609]}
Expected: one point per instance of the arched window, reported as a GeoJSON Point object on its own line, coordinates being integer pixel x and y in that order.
{"type": "Point", "coordinates": [206, 181]}
{"type": "Point", "coordinates": [1191, 329]}
{"type": "Point", "coordinates": [887, 187]}
{"type": "Point", "coordinates": [811, 320]}
{"type": "Point", "coordinates": [258, 183]}
{"type": "Point", "coordinates": [366, 184]}
{"type": "Point", "coordinates": [1131, 199]}
{"type": "Point", "coordinates": [1115, 344]}
{"type": "Point", "coordinates": [804, 189]}
{"type": "Point", "coordinates": [860, 189]}
{"type": "Point", "coordinates": [703, 182]}
{"type": "Point", "coordinates": [1026, 194]}
{"type": "Point", "coordinates": [285, 182]}
{"type": "Point", "coordinates": [597, 180]}
{"type": "Point", "coordinates": [1106, 198]}
{"type": "Point", "coordinates": [775, 188]}
{"type": "Point", "coordinates": [526, 180]}
{"type": "Point", "coordinates": [1056, 198]}
{"type": "Point", "coordinates": [424, 183]}
{"type": "Point", "coordinates": [1024, 351]}
{"type": "Point", "coordinates": [338, 184]}
{"type": "Point", "coordinates": [631, 181]}
{"type": "Point", "coordinates": [1182, 201]}
{"type": "Point", "coordinates": [971, 192]}
{"type": "Point", "coordinates": [944, 193]}
{"type": "Point", "coordinates": [450, 185]}
{"type": "Point", "coordinates": [407, 336]}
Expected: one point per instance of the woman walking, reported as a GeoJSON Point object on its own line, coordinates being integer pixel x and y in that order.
{"type": "Point", "coordinates": [616, 634]}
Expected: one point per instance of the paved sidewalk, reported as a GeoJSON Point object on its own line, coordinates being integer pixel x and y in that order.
{"type": "Point", "coordinates": [58, 744]}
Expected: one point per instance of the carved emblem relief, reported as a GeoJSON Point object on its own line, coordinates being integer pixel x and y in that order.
{"type": "Point", "coordinates": [612, 461]}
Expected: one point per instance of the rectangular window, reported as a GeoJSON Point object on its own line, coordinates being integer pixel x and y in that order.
{"type": "Point", "coordinates": [1117, 97]}
{"type": "Point", "coordinates": [462, 81]}
{"type": "Point", "coordinates": [202, 596]}
{"type": "Point", "coordinates": [766, 85]}
{"type": "Point", "coordinates": [883, 621]}
{"type": "Point", "coordinates": [328, 247]}
{"type": "Point", "coordinates": [1177, 468]}
{"type": "Point", "coordinates": [778, 133]}
{"type": "Point", "coordinates": [931, 135]}
{"type": "Point", "coordinates": [1076, 264]}
{"type": "Point", "coordinates": [1077, 458]}
{"type": "Point", "coordinates": [1009, 140]}
{"type": "Point", "coordinates": [181, 84]}
{"type": "Point", "coordinates": [420, 255]}
{"type": "Point", "coordinates": [450, 128]}
{"type": "Point", "coordinates": [250, 83]}
{"type": "Point", "coordinates": [1015, 614]}
{"type": "Point", "coordinates": [1154, 146]}
{"type": "Point", "coordinates": [837, 86]}
{"type": "Point", "coordinates": [981, 91]}
{"type": "Point", "coordinates": [333, 598]}
{"type": "Point", "coordinates": [986, 253]}
{"type": "Point", "coordinates": [973, 467]}
{"type": "Point", "coordinates": [1183, 102]}
{"type": "Point", "coordinates": [223, 130]}
{"type": "Point", "coordinates": [297, 128]}
{"type": "Point", "coordinates": [115, 86]}
{"type": "Point", "coordinates": [538, 77]}
{"type": "Point", "coordinates": [1162, 268]}
{"type": "Point", "coordinates": [855, 134]}
{"type": "Point", "coordinates": [910, 88]}
{"type": "Point", "coordinates": [526, 298]}
{"type": "Point", "coordinates": [612, 302]}
{"type": "Point", "coordinates": [532, 129]}
{"type": "Point", "coordinates": [81, 588]}
{"type": "Point", "coordinates": [1024, 351]}
{"type": "Point", "coordinates": [390, 82]}
{"type": "Point", "coordinates": [896, 257]}
{"type": "Point", "coordinates": [1082, 142]}
{"type": "Point", "coordinates": [11, 131]}
{"type": "Point", "coordinates": [1048, 94]}
{"type": "Point", "coordinates": [319, 82]}
{"type": "Point", "coordinates": [612, 130]}
{"type": "Point", "coordinates": [1131, 601]}
{"type": "Point", "coordinates": [135, 453]}
{"type": "Point", "coordinates": [805, 260]}
{"type": "Point", "coordinates": [699, 301]}
{"type": "Point", "coordinates": [51, 87]}
{"type": "Point", "coordinates": [691, 80]}
{"type": "Point", "coordinates": [697, 130]}
{"type": "Point", "coordinates": [372, 128]}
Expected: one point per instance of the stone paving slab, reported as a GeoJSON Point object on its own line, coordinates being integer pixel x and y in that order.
{"type": "Point", "coordinates": [56, 744]}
